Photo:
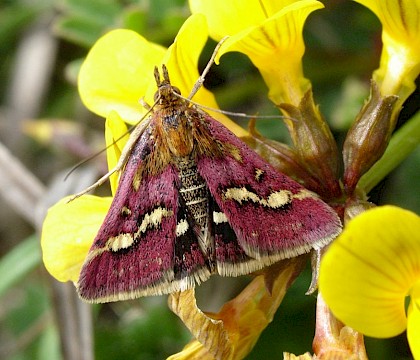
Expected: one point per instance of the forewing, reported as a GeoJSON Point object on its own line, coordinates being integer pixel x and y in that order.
{"type": "Point", "coordinates": [272, 216]}
{"type": "Point", "coordinates": [136, 251]}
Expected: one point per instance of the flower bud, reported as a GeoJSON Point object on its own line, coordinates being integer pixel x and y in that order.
{"type": "Point", "coordinates": [368, 138]}
{"type": "Point", "coordinates": [314, 143]}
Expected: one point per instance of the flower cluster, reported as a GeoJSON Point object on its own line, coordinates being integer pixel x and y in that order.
{"type": "Point", "coordinates": [118, 71]}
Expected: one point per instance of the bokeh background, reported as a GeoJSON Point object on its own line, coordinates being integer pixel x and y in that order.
{"type": "Point", "coordinates": [45, 130]}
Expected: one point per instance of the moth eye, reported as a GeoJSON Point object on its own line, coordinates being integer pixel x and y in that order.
{"type": "Point", "coordinates": [156, 96]}
{"type": "Point", "coordinates": [176, 90]}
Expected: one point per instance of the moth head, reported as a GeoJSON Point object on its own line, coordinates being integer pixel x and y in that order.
{"type": "Point", "coordinates": [165, 89]}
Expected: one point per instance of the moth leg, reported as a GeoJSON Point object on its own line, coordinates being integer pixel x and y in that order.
{"type": "Point", "coordinates": [134, 136]}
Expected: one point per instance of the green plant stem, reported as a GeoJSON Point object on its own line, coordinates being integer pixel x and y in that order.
{"type": "Point", "coordinates": [402, 144]}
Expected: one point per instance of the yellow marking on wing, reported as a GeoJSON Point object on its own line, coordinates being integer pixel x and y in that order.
{"type": "Point", "coordinates": [274, 200]}
{"type": "Point", "coordinates": [219, 217]}
{"type": "Point", "coordinates": [305, 193]}
{"type": "Point", "coordinates": [258, 174]}
{"type": "Point", "coordinates": [124, 241]}
{"type": "Point", "coordinates": [181, 227]}
{"type": "Point", "coordinates": [136, 180]}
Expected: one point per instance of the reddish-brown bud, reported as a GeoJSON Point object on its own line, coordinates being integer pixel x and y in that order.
{"type": "Point", "coordinates": [368, 137]}
{"type": "Point", "coordinates": [314, 143]}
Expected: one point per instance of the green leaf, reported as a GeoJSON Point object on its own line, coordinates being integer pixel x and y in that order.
{"type": "Point", "coordinates": [98, 11]}
{"type": "Point", "coordinates": [135, 18]}
{"type": "Point", "coordinates": [83, 22]}
{"type": "Point", "coordinates": [78, 30]}
{"type": "Point", "coordinates": [20, 261]}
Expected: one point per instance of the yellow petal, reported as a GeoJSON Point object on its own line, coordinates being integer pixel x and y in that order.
{"type": "Point", "coordinates": [182, 57]}
{"type": "Point", "coordinates": [413, 322]}
{"type": "Point", "coordinates": [370, 268]}
{"type": "Point", "coordinates": [247, 14]}
{"type": "Point", "coordinates": [116, 136]}
{"type": "Point", "coordinates": [117, 72]}
{"type": "Point", "coordinates": [276, 47]}
{"type": "Point", "coordinates": [194, 350]}
{"type": "Point", "coordinates": [400, 59]}
{"type": "Point", "coordinates": [400, 18]}
{"type": "Point", "coordinates": [68, 232]}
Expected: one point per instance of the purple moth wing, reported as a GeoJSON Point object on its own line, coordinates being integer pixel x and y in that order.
{"type": "Point", "coordinates": [136, 252]}
{"type": "Point", "coordinates": [231, 259]}
{"type": "Point", "coordinates": [272, 215]}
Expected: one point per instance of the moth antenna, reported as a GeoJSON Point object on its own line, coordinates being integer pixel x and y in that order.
{"type": "Point", "coordinates": [157, 76]}
{"type": "Point", "coordinates": [84, 161]}
{"type": "Point", "coordinates": [199, 83]}
{"type": "Point", "coordinates": [231, 113]}
{"type": "Point", "coordinates": [80, 163]}
{"type": "Point", "coordinates": [134, 136]}
{"type": "Point", "coordinates": [135, 133]}
{"type": "Point", "coordinates": [165, 74]}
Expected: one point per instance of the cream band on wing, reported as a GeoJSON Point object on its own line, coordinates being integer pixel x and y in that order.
{"type": "Point", "coordinates": [275, 200]}
{"type": "Point", "coordinates": [152, 220]}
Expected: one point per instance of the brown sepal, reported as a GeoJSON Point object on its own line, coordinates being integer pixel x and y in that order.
{"type": "Point", "coordinates": [272, 273]}
{"type": "Point", "coordinates": [333, 340]}
{"type": "Point", "coordinates": [282, 157]}
{"type": "Point", "coordinates": [314, 144]}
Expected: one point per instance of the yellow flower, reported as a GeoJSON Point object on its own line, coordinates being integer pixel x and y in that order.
{"type": "Point", "coordinates": [369, 271]}
{"type": "Point", "coordinates": [270, 34]}
{"type": "Point", "coordinates": [117, 72]}
{"type": "Point", "coordinates": [400, 59]}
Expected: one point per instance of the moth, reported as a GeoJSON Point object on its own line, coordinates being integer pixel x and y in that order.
{"type": "Point", "coordinates": [194, 200]}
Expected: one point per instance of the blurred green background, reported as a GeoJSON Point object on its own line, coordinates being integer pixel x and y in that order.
{"type": "Point", "coordinates": [45, 130]}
